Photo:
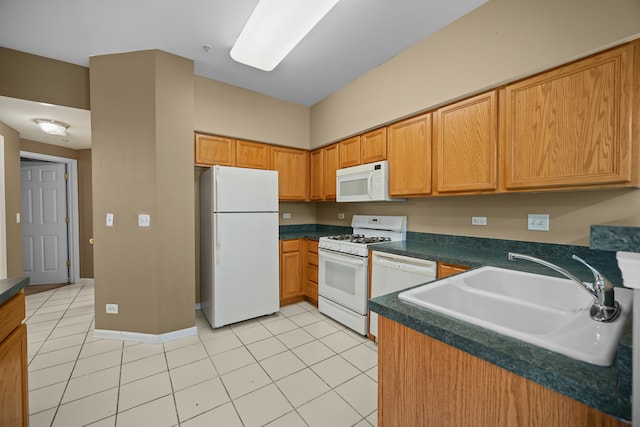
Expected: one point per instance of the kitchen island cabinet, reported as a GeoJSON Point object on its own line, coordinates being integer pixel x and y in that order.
{"type": "Point", "coordinates": [409, 155]}
{"type": "Point", "coordinates": [425, 382]}
{"type": "Point", "coordinates": [291, 271]}
{"type": "Point", "coordinates": [14, 405]}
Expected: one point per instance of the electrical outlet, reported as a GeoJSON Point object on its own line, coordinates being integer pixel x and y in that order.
{"type": "Point", "coordinates": [286, 215]}
{"type": "Point", "coordinates": [112, 308]}
{"type": "Point", "coordinates": [340, 216]}
{"type": "Point", "coordinates": [538, 222]}
{"type": "Point", "coordinates": [478, 220]}
{"type": "Point", "coordinates": [144, 220]}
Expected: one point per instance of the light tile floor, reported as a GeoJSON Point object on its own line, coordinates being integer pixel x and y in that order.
{"type": "Point", "coordinates": [294, 368]}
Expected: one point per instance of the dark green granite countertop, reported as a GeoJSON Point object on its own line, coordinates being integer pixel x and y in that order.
{"type": "Point", "coordinates": [10, 287]}
{"type": "Point", "coordinates": [311, 231]}
{"type": "Point", "coordinates": [607, 389]}
{"type": "Point", "coordinates": [615, 238]}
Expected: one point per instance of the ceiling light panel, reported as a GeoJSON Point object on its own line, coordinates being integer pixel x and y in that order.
{"type": "Point", "coordinates": [274, 28]}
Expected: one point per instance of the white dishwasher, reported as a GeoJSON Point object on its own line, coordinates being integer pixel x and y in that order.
{"type": "Point", "coordinates": [391, 273]}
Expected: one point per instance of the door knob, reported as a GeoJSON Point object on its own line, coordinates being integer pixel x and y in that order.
{"type": "Point", "coordinates": [91, 241]}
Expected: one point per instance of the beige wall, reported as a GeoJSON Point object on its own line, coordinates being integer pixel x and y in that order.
{"type": "Point", "coordinates": [142, 155]}
{"type": "Point", "coordinates": [85, 210]}
{"type": "Point", "coordinates": [36, 78]}
{"type": "Point", "coordinates": [570, 214]}
{"type": "Point", "coordinates": [500, 41]}
{"type": "Point", "coordinates": [48, 149]}
{"type": "Point", "coordinates": [226, 110]}
{"type": "Point", "coordinates": [12, 200]}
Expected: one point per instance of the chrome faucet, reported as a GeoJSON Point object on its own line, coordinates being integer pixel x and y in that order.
{"type": "Point", "coordinates": [605, 308]}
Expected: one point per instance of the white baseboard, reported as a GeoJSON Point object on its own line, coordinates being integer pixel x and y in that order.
{"type": "Point", "coordinates": [146, 338]}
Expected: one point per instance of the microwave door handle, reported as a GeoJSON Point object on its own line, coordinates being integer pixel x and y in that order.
{"type": "Point", "coordinates": [369, 182]}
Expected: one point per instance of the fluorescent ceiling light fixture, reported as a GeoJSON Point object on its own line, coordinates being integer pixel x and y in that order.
{"type": "Point", "coordinates": [274, 28]}
{"type": "Point", "coordinates": [52, 127]}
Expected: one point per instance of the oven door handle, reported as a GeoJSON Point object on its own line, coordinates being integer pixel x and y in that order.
{"type": "Point", "coordinates": [343, 258]}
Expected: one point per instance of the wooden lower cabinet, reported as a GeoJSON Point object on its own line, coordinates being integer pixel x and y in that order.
{"type": "Point", "coordinates": [14, 405]}
{"type": "Point", "coordinates": [311, 284]}
{"type": "Point", "coordinates": [424, 382]}
{"type": "Point", "coordinates": [446, 270]}
{"type": "Point", "coordinates": [291, 277]}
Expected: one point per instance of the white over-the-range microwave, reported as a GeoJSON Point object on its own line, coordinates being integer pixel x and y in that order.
{"type": "Point", "coordinates": [364, 183]}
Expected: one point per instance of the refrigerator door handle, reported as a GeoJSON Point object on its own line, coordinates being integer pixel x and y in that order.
{"type": "Point", "coordinates": [218, 239]}
{"type": "Point", "coordinates": [217, 228]}
{"type": "Point", "coordinates": [217, 189]}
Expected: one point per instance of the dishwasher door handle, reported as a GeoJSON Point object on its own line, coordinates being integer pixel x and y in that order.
{"type": "Point", "coordinates": [426, 267]}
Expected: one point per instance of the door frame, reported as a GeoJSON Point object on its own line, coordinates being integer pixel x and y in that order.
{"type": "Point", "coordinates": [73, 232]}
{"type": "Point", "coordinates": [3, 213]}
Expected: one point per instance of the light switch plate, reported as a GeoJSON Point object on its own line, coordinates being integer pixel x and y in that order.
{"type": "Point", "coordinates": [109, 220]}
{"type": "Point", "coordinates": [538, 222]}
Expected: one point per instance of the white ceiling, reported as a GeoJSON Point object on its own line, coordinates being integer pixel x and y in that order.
{"type": "Point", "coordinates": [355, 37]}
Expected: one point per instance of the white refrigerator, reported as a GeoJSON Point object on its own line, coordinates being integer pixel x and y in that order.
{"type": "Point", "coordinates": [239, 245]}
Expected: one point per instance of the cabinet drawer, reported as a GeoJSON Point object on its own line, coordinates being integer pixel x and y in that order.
{"type": "Point", "coordinates": [312, 246]}
{"type": "Point", "coordinates": [312, 273]}
{"type": "Point", "coordinates": [12, 313]}
{"type": "Point", "coordinates": [290, 245]}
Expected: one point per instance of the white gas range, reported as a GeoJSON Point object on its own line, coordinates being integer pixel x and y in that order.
{"type": "Point", "coordinates": [343, 281]}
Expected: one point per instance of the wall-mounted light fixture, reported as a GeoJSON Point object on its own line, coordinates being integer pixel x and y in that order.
{"type": "Point", "coordinates": [274, 28]}
{"type": "Point", "coordinates": [52, 127]}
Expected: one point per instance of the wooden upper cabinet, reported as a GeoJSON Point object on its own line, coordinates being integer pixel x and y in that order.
{"type": "Point", "coordinates": [465, 150]}
{"type": "Point", "coordinates": [293, 172]}
{"type": "Point", "coordinates": [409, 155]}
{"type": "Point", "coordinates": [373, 146]}
{"type": "Point", "coordinates": [571, 127]}
{"type": "Point", "coordinates": [331, 165]}
{"type": "Point", "coordinates": [316, 165]}
{"type": "Point", "coordinates": [214, 150]}
{"type": "Point", "coordinates": [350, 152]}
{"type": "Point", "coordinates": [252, 155]}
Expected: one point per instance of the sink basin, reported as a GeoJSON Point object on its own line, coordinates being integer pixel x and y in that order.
{"type": "Point", "coordinates": [549, 312]}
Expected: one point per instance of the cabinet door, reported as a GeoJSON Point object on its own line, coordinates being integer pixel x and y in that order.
{"type": "Point", "coordinates": [13, 379]}
{"type": "Point", "coordinates": [466, 145]}
{"type": "Point", "coordinates": [291, 279]}
{"type": "Point", "coordinates": [317, 174]}
{"type": "Point", "coordinates": [251, 155]}
{"type": "Point", "coordinates": [373, 146]}
{"type": "Point", "coordinates": [293, 172]}
{"type": "Point", "coordinates": [214, 150]}
{"type": "Point", "coordinates": [446, 270]}
{"type": "Point", "coordinates": [409, 155]}
{"type": "Point", "coordinates": [350, 152]}
{"type": "Point", "coordinates": [571, 127]}
{"type": "Point", "coordinates": [311, 288]}
{"type": "Point", "coordinates": [331, 165]}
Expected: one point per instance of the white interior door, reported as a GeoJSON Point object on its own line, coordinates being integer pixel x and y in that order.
{"type": "Point", "coordinates": [44, 222]}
